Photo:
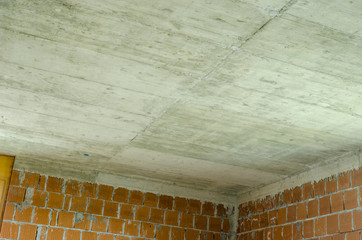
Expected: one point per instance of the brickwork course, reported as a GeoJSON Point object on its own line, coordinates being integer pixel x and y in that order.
{"type": "Point", "coordinates": [44, 207]}
{"type": "Point", "coordinates": [330, 209]}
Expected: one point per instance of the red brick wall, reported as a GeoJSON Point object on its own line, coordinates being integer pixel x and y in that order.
{"type": "Point", "coordinates": [330, 209]}
{"type": "Point", "coordinates": [41, 207]}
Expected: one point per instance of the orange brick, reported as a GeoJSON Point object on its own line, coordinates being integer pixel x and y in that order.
{"type": "Point", "coordinates": [337, 202]}
{"type": "Point", "coordinates": [89, 190]}
{"type": "Point", "coordinates": [95, 206]}
{"type": "Point", "coordinates": [272, 217]}
{"type": "Point", "coordinates": [31, 180]}
{"type": "Point", "coordinates": [78, 204]}
{"type": "Point", "coordinates": [82, 221]}
{"type": "Point", "coordinates": [105, 192]}
{"type": "Point", "coordinates": [165, 202]}
{"type": "Point", "coordinates": [278, 232]}
{"type": "Point", "coordinates": [131, 228]}
{"type": "Point", "coordinates": [201, 222]}
{"type": "Point", "coordinates": [287, 196]}
{"type": "Point", "coordinates": [23, 214]}
{"type": "Point", "coordinates": [353, 236]}
{"type": "Point", "coordinates": [121, 195]}
{"type": "Point", "coordinates": [177, 233]}
{"type": "Point", "coordinates": [360, 196]}
{"type": "Point", "coordinates": [9, 211]}
{"type": "Point", "coordinates": [247, 224]}
{"type": "Point", "coordinates": [157, 215]}
{"type": "Point", "coordinates": [297, 194]}
{"type": "Point", "coordinates": [326, 238]}
{"type": "Point", "coordinates": [55, 184]}
{"type": "Point", "coordinates": [126, 211]}
{"type": "Point", "coordinates": [9, 230]}
{"type": "Point", "coordinates": [191, 234]}
{"type": "Point", "coordinates": [319, 188]}
{"type": "Point", "coordinates": [171, 218]}
{"type": "Point", "coordinates": [313, 208]}
{"type": "Point", "coordinates": [255, 220]}
{"type": "Point", "coordinates": [72, 235]}
{"type": "Point", "coordinates": [331, 185]}
{"type": "Point", "coordinates": [215, 224]}
{"type": "Point", "coordinates": [41, 216]}
{"type": "Point", "coordinates": [151, 200]}
{"type": "Point", "coordinates": [225, 225]}
{"type": "Point", "coordinates": [125, 238]}
{"type": "Point", "coordinates": [282, 216]}
{"type": "Point", "coordinates": [73, 187]}
{"type": "Point", "coordinates": [344, 181]}
{"type": "Point", "coordinates": [55, 233]}
{"type": "Point", "coordinates": [332, 224]}
{"type": "Point", "coordinates": [350, 199]}
{"type": "Point", "coordinates": [55, 200]}
{"type": "Point", "coordinates": [180, 204]}
{"type": "Point", "coordinates": [99, 224]}
{"type": "Point", "coordinates": [302, 211]}
{"type": "Point", "coordinates": [194, 206]}
{"type": "Point", "coordinates": [357, 219]}
{"type": "Point", "coordinates": [66, 219]}
{"type": "Point", "coordinates": [208, 209]}
{"type": "Point", "coordinates": [39, 198]}
{"type": "Point", "coordinates": [142, 213]}
{"type": "Point", "coordinates": [110, 209]}
{"type": "Point", "coordinates": [16, 194]}
{"type": "Point", "coordinates": [115, 226]}
{"type": "Point", "coordinates": [308, 229]}
{"type": "Point", "coordinates": [15, 178]}
{"type": "Point", "coordinates": [162, 233]}
{"type": "Point", "coordinates": [89, 236]}
{"type": "Point", "coordinates": [324, 205]}
{"type": "Point", "coordinates": [320, 226]}
{"type": "Point", "coordinates": [308, 191]}
{"type": "Point", "coordinates": [288, 231]}
{"type": "Point", "coordinates": [339, 237]}
{"type": "Point", "coordinates": [147, 230]}
{"type": "Point", "coordinates": [263, 220]}
{"type": "Point", "coordinates": [221, 211]}
{"type": "Point", "coordinates": [105, 237]}
{"type": "Point", "coordinates": [292, 213]}
{"type": "Point", "coordinates": [345, 222]}
{"type": "Point", "coordinates": [136, 197]}
{"type": "Point", "coordinates": [27, 232]}
{"type": "Point", "coordinates": [187, 220]}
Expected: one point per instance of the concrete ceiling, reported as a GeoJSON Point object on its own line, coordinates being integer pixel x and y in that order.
{"type": "Point", "coordinates": [223, 96]}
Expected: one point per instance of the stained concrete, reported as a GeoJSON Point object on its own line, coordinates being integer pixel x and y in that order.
{"type": "Point", "coordinates": [221, 97]}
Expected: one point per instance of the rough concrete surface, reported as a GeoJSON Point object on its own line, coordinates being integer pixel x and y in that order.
{"type": "Point", "coordinates": [221, 97]}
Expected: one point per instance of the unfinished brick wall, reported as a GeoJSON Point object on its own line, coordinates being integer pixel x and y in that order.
{"type": "Point", "coordinates": [330, 209]}
{"type": "Point", "coordinates": [41, 207]}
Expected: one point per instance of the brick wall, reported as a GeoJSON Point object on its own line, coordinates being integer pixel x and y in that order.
{"type": "Point", "coordinates": [41, 207]}
{"type": "Point", "coordinates": [330, 209]}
